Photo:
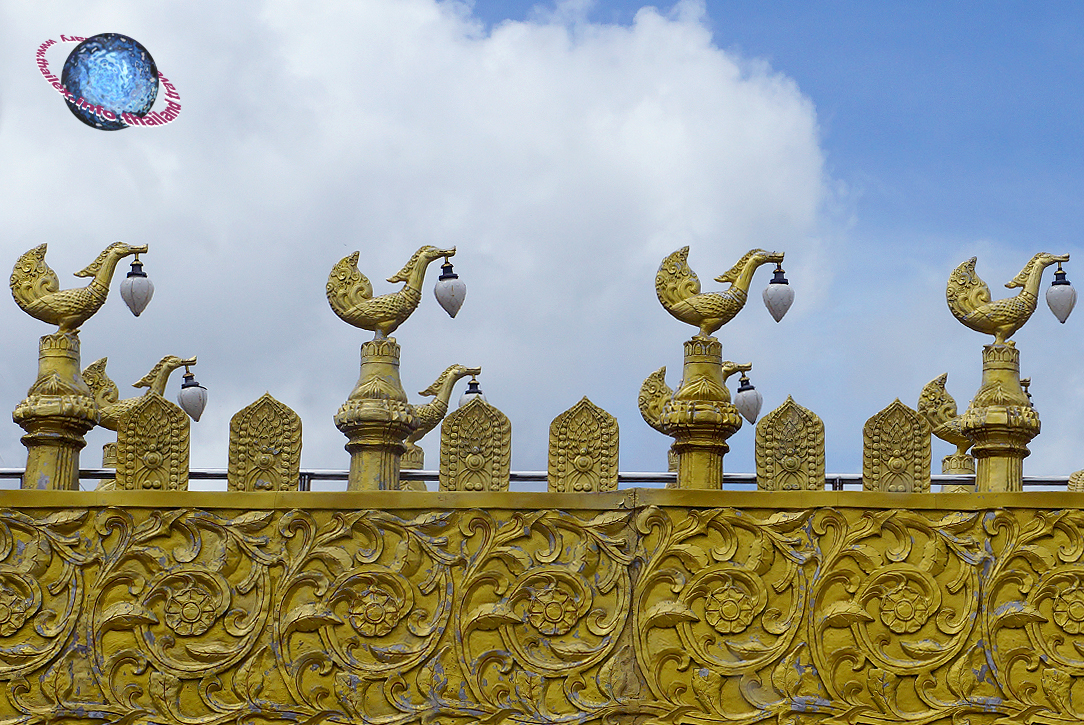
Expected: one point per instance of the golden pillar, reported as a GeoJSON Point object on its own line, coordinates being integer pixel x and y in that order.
{"type": "Point", "coordinates": [376, 419]}
{"type": "Point", "coordinates": [700, 417]}
{"type": "Point", "coordinates": [1000, 421]}
{"type": "Point", "coordinates": [57, 412]}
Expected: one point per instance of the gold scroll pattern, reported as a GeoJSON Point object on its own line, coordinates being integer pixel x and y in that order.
{"type": "Point", "coordinates": [265, 447]}
{"type": "Point", "coordinates": [646, 615]}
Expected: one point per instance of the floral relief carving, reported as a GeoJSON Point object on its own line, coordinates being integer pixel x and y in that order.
{"type": "Point", "coordinates": [674, 614]}
{"type": "Point", "coordinates": [15, 606]}
{"type": "Point", "coordinates": [1069, 610]}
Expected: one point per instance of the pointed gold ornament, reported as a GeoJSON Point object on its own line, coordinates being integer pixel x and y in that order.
{"type": "Point", "coordinates": [583, 450]}
{"type": "Point", "coordinates": [265, 447]}
{"type": "Point", "coordinates": [790, 449]}
{"type": "Point", "coordinates": [475, 448]}
{"type": "Point", "coordinates": [896, 451]}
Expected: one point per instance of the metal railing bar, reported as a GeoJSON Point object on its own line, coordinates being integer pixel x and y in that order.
{"type": "Point", "coordinates": [833, 481]}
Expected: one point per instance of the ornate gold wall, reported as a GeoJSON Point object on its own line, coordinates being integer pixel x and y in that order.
{"type": "Point", "coordinates": [626, 607]}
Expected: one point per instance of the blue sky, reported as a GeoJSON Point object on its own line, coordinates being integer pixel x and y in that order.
{"type": "Point", "coordinates": [952, 118]}
{"type": "Point", "coordinates": [565, 151]}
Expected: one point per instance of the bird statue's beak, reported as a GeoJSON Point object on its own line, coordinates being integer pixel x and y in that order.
{"type": "Point", "coordinates": [188, 361]}
{"type": "Point", "coordinates": [1060, 257]}
{"type": "Point", "coordinates": [446, 252]}
{"type": "Point", "coordinates": [137, 250]}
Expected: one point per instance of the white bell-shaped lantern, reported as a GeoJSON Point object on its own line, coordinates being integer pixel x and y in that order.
{"type": "Point", "coordinates": [472, 392]}
{"type": "Point", "coordinates": [1060, 296]}
{"type": "Point", "coordinates": [778, 295]}
{"type": "Point", "coordinates": [136, 289]}
{"type": "Point", "coordinates": [450, 290]}
{"type": "Point", "coordinates": [748, 400]}
{"type": "Point", "coordinates": [193, 396]}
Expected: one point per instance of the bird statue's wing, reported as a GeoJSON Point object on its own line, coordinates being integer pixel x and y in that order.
{"type": "Point", "coordinates": [675, 280]}
{"type": "Point", "coordinates": [653, 396]}
{"type": "Point", "coordinates": [32, 278]}
{"type": "Point", "coordinates": [346, 285]}
{"type": "Point", "coordinates": [966, 292]}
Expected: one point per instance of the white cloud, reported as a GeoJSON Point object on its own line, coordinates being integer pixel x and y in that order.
{"type": "Point", "coordinates": [564, 159]}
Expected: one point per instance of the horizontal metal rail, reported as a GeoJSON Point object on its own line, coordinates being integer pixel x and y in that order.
{"type": "Point", "coordinates": [632, 479]}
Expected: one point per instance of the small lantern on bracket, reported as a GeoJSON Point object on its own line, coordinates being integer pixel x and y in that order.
{"type": "Point", "coordinates": [136, 289]}
{"type": "Point", "coordinates": [748, 400]}
{"type": "Point", "coordinates": [472, 392]}
{"type": "Point", "coordinates": [1060, 296]}
{"type": "Point", "coordinates": [193, 396]}
{"type": "Point", "coordinates": [778, 295]}
{"type": "Point", "coordinates": [450, 290]}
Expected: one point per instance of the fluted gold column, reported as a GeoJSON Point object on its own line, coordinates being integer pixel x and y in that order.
{"type": "Point", "coordinates": [376, 419]}
{"type": "Point", "coordinates": [57, 412]}
{"type": "Point", "coordinates": [700, 416]}
{"type": "Point", "coordinates": [1001, 421]}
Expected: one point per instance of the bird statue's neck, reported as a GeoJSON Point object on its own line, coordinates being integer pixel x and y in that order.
{"type": "Point", "coordinates": [158, 377]}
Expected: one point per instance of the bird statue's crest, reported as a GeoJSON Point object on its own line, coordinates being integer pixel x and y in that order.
{"type": "Point", "coordinates": [456, 371]}
{"type": "Point", "coordinates": [430, 253]}
{"type": "Point", "coordinates": [735, 271]}
{"type": "Point", "coordinates": [159, 374]}
{"type": "Point", "coordinates": [92, 269]}
{"type": "Point", "coordinates": [431, 413]}
{"type": "Point", "coordinates": [104, 390]}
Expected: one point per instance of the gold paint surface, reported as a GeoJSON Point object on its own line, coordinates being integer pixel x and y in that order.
{"type": "Point", "coordinates": [638, 606]}
{"type": "Point", "coordinates": [153, 445]}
